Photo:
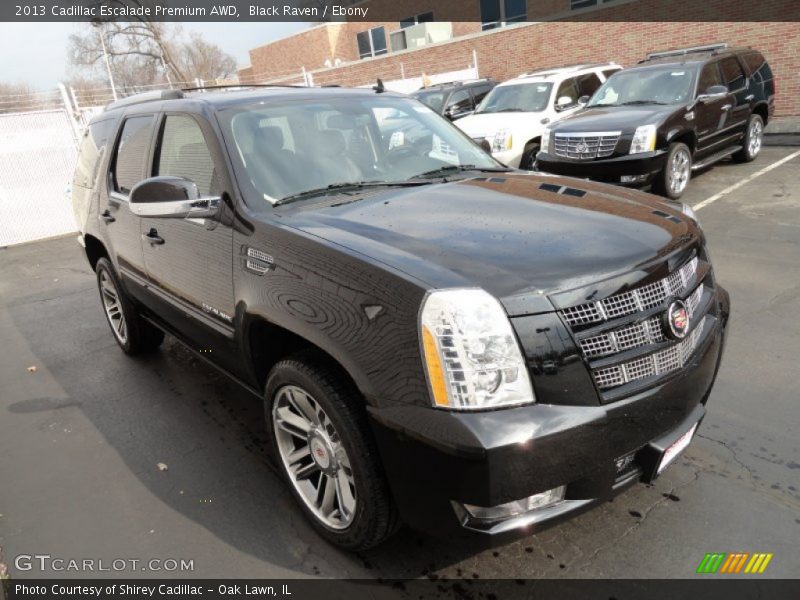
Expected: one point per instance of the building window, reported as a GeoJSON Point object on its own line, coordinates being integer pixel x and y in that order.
{"type": "Point", "coordinates": [578, 4]}
{"type": "Point", "coordinates": [426, 17]}
{"type": "Point", "coordinates": [499, 13]}
{"type": "Point", "coordinates": [371, 42]}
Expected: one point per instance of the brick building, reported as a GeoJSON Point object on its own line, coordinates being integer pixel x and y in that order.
{"type": "Point", "coordinates": [508, 37]}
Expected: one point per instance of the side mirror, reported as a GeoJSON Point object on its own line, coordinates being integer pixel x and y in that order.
{"type": "Point", "coordinates": [171, 197]}
{"type": "Point", "coordinates": [715, 92]}
{"type": "Point", "coordinates": [564, 102]}
{"type": "Point", "coordinates": [583, 100]}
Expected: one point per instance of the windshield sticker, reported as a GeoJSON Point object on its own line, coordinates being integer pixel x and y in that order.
{"type": "Point", "coordinates": [678, 73]}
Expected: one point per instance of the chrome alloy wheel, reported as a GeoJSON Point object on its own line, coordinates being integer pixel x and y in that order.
{"type": "Point", "coordinates": [755, 138]}
{"type": "Point", "coordinates": [314, 457]}
{"type": "Point", "coordinates": [680, 168]}
{"type": "Point", "coordinates": [112, 306]}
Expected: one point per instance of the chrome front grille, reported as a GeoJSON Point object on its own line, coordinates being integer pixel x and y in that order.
{"type": "Point", "coordinates": [631, 322]}
{"type": "Point", "coordinates": [586, 146]}
{"type": "Point", "coordinates": [658, 363]}
{"type": "Point", "coordinates": [639, 334]}
{"type": "Point", "coordinates": [633, 301]}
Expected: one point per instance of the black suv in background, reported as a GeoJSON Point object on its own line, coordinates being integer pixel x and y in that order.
{"type": "Point", "coordinates": [455, 99]}
{"type": "Point", "coordinates": [674, 113]}
{"type": "Point", "coordinates": [435, 338]}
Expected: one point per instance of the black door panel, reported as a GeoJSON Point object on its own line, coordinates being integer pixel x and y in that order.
{"type": "Point", "coordinates": [189, 261]}
{"type": "Point", "coordinates": [120, 227]}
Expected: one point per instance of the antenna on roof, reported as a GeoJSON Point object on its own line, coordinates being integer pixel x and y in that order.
{"type": "Point", "coordinates": [379, 89]}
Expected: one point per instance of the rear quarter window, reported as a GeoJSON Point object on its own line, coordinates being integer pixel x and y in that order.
{"type": "Point", "coordinates": [91, 151]}
{"type": "Point", "coordinates": [132, 150]}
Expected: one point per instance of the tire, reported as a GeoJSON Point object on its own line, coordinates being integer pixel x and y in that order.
{"type": "Point", "coordinates": [665, 183]}
{"type": "Point", "coordinates": [314, 419]}
{"type": "Point", "coordinates": [133, 334]}
{"type": "Point", "coordinates": [528, 159]}
{"type": "Point", "coordinates": [752, 141]}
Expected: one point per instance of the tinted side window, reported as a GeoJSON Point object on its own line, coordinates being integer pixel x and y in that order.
{"type": "Point", "coordinates": [757, 66]}
{"type": "Point", "coordinates": [479, 92]}
{"type": "Point", "coordinates": [183, 152]}
{"type": "Point", "coordinates": [588, 84]}
{"type": "Point", "coordinates": [459, 101]}
{"type": "Point", "coordinates": [131, 155]}
{"type": "Point", "coordinates": [609, 72]}
{"type": "Point", "coordinates": [732, 73]}
{"type": "Point", "coordinates": [709, 76]}
{"type": "Point", "coordinates": [569, 89]}
{"type": "Point", "coordinates": [90, 154]}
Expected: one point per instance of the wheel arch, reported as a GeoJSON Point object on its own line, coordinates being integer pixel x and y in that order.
{"type": "Point", "coordinates": [95, 250]}
{"type": "Point", "coordinates": [762, 110]}
{"type": "Point", "coordinates": [687, 137]}
{"type": "Point", "coordinates": [267, 343]}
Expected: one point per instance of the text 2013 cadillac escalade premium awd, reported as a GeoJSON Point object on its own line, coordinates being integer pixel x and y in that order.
{"type": "Point", "coordinates": [437, 339]}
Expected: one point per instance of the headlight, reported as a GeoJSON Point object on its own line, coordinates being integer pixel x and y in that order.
{"type": "Point", "coordinates": [471, 356]}
{"type": "Point", "coordinates": [545, 139]}
{"type": "Point", "coordinates": [502, 141]}
{"type": "Point", "coordinates": [644, 139]}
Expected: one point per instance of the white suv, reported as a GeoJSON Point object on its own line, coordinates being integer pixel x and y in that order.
{"type": "Point", "coordinates": [512, 117]}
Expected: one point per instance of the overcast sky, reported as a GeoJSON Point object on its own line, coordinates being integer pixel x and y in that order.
{"type": "Point", "coordinates": [35, 53]}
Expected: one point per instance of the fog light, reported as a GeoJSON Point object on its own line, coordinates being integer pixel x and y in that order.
{"type": "Point", "coordinates": [517, 507]}
{"type": "Point", "coordinates": [632, 178]}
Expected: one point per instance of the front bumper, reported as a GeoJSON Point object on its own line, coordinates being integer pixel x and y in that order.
{"type": "Point", "coordinates": [510, 158]}
{"type": "Point", "coordinates": [609, 169]}
{"type": "Point", "coordinates": [437, 460]}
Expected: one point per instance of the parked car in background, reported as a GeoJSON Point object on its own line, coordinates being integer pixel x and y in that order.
{"type": "Point", "coordinates": [674, 113]}
{"type": "Point", "coordinates": [455, 99]}
{"type": "Point", "coordinates": [511, 119]}
{"type": "Point", "coordinates": [445, 342]}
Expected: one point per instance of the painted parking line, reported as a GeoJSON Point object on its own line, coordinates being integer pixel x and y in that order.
{"type": "Point", "coordinates": [745, 181]}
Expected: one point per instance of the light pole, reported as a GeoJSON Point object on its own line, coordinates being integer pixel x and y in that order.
{"type": "Point", "coordinates": [108, 63]}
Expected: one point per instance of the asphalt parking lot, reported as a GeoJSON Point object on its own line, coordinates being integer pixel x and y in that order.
{"type": "Point", "coordinates": [83, 428]}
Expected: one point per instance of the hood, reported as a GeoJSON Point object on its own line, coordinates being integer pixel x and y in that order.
{"type": "Point", "coordinates": [487, 124]}
{"type": "Point", "coordinates": [614, 118]}
{"type": "Point", "coordinates": [507, 234]}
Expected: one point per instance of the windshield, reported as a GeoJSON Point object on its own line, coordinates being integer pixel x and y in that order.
{"type": "Point", "coordinates": [284, 149]}
{"type": "Point", "coordinates": [519, 97]}
{"type": "Point", "coordinates": [645, 86]}
{"type": "Point", "coordinates": [433, 99]}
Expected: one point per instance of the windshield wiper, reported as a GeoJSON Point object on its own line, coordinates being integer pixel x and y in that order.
{"type": "Point", "coordinates": [634, 102]}
{"type": "Point", "coordinates": [457, 169]}
{"type": "Point", "coordinates": [346, 185]}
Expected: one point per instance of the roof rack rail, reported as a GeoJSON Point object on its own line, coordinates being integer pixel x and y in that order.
{"type": "Point", "coordinates": [145, 97]}
{"type": "Point", "coordinates": [691, 50]}
{"type": "Point", "coordinates": [566, 68]}
{"type": "Point", "coordinates": [240, 86]}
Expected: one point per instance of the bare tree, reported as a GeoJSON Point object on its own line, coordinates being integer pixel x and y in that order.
{"type": "Point", "coordinates": [204, 60]}
{"type": "Point", "coordinates": [144, 53]}
{"type": "Point", "coordinates": [19, 97]}
{"type": "Point", "coordinates": [137, 51]}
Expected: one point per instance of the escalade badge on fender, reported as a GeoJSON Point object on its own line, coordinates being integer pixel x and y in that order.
{"type": "Point", "coordinates": [676, 320]}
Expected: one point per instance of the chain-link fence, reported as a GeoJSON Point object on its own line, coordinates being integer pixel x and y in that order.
{"type": "Point", "coordinates": [37, 160]}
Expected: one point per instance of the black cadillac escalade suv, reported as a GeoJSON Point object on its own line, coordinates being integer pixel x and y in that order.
{"type": "Point", "coordinates": [436, 339]}
{"type": "Point", "coordinates": [674, 113]}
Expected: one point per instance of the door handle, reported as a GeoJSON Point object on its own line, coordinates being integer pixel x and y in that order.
{"type": "Point", "coordinates": [750, 97]}
{"type": "Point", "coordinates": [153, 237]}
{"type": "Point", "coordinates": [106, 216]}
{"type": "Point", "coordinates": [727, 107]}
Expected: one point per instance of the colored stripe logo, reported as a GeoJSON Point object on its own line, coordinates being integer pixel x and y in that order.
{"type": "Point", "coordinates": [737, 562]}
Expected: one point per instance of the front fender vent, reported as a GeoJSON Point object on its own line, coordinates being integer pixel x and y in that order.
{"type": "Point", "coordinates": [258, 262]}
